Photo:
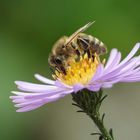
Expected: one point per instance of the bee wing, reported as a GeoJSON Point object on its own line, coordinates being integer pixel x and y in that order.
{"type": "Point", "coordinates": [82, 29]}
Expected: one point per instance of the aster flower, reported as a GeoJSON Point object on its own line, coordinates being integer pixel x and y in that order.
{"type": "Point", "coordinates": [87, 73]}
{"type": "Point", "coordinates": [79, 71]}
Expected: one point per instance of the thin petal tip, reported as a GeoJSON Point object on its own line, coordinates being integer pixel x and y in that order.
{"type": "Point", "coordinates": [18, 82]}
{"type": "Point", "coordinates": [36, 75]}
{"type": "Point", "coordinates": [137, 45]}
{"type": "Point", "coordinates": [10, 97]}
{"type": "Point", "coordinates": [19, 111]}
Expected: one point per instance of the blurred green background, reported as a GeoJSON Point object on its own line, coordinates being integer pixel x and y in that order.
{"type": "Point", "coordinates": [28, 29]}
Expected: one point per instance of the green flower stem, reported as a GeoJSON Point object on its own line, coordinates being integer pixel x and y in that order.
{"type": "Point", "coordinates": [104, 133]}
{"type": "Point", "coordinates": [90, 103]}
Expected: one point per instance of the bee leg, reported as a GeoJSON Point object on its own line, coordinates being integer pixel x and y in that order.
{"type": "Point", "coordinates": [60, 69]}
{"type": "Point", "coordinates": [77, 52]}
{"type": "Point", "coordinates": [57, 69]}
{"type": "Point", "coordinates": [88, 53]}
{"type": "Point", "coordinates": [75, 49]}
{"type": "Point", "coordinates": [93, 57]}
{"type": "Point", "coordinates": [63, 69]}
{"type": "Point", "coordinates": [59, 66]}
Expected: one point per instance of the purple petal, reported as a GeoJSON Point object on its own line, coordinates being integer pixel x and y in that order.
{"type": "Point", "coordinates": [94, 87]}
{"type": "Point", "coordinates": [29, 108]}
{"type": "Point", "coordinates": [131, 54]}
{"type": "Point", "coordinates": [44, 79]}
{"type": "Point", "coordinates": [77, 87]}
{"type": "Point", "coordinates": [98, 73]}
{"type": "Point", "coordinates": [29, 102]}
{"type": "Point", "coordinates": [39, 101]}
{"type": "Point", "coordinates": [114, 63]}
{"type": "Point", "coordinates": [112, 57]}
{"type": "Point", "coordinates": [36, 95]}
{"type": "Point", "coordinates": [60, 84]}
{"type": "Point", "coordinates": [19, 100]}
{"type": "Point", "coordinates": [30, 87]}
{"type": "Point", "coordinates": [43, 95]}
{"type": "Point", "coordinates": [119, 72]}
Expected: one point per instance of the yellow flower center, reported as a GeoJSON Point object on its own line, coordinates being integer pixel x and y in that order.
{"type": "Point", "coordinates": [79, 72]}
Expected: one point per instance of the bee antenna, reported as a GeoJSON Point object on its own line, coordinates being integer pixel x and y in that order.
{"type": "Point", "coordinates": [82, 29]}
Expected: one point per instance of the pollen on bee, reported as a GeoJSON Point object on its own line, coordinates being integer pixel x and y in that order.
{"type": "Point", "coordinates": [79, 72]}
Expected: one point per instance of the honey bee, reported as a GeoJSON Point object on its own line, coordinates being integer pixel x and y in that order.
{"type": "Point", "coordinates": [78, 44]}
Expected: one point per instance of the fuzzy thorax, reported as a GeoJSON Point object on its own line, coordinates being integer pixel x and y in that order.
{"type": "Point", "coordinates": [79, 72]}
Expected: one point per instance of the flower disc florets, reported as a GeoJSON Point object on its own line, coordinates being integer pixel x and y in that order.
{"type": "Point", "coordinates": [79, 72]}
